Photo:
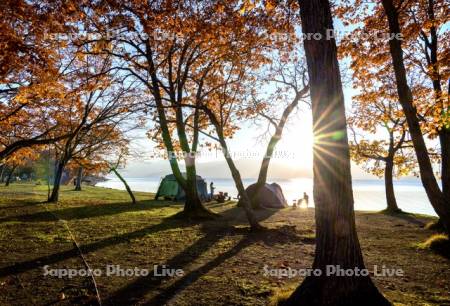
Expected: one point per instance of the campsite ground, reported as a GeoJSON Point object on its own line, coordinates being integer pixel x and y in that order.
{"type": "Point", "coordinates": [223, 263]}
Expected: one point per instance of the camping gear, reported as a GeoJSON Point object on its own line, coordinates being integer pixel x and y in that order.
{"type": "Point", "coordinates": [269, 196]}
{"type": "Point", "coordinates": [169, 189]}
{"type": "Point", "coordinates": [221, 197]}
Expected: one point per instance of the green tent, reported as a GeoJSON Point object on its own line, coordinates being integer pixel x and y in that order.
{"type": "Point", "coordinates": [170, 189]}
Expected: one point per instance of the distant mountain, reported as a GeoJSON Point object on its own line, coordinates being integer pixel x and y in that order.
{"type": "Point", "coordinates": [248, 168]}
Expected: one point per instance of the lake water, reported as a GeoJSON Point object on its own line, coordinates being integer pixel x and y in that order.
{"type": "Point", "coordinates": [369, 194]}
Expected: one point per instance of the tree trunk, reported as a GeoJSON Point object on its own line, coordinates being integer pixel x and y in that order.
{"type": "Point", "coordinates": [437, 199]}
{"type": "Point", "coordinates": [193, 205]}
{"type": "Point", "coordinates": [444, 138]}
{"type": "Point", "coordinates": [79, 179]}
{"type": "Point", "coordinates": [9, 177]}
{"type": "Point", "coordinates": [262, 177]}
{"type": "Point", "coordinates": [245, 200]}
{"type": "Point", "coordinates": [336, 238]}
{"type": "Point", "coordinates": [127, 187]}
{"type": "Point", "coordinates": [54, 197]}
{"type": "Point", "coordinates": [389, 186]}
{"type": "Point", "coordinates": [436, 78]}
{"type": "Point", "coordinates": [1, 173]}
{"type": "Point", "coordinates": [264, 169]}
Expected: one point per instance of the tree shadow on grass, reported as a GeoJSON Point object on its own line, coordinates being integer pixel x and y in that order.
{"type": "Point", "coordinates": [91, 211]}
{"type": "Point", "coordinates": [136, 290]}
{"type": "Point", "coordinates": [167, 223]}
{"type": "Point", "coordinates": [411, 218]}
{"type": "Point", "coordinates": [19, 203]}
{"type": "Point", "coordinates": [271, 237]}
{"type": "Point", "coordinates": [214, 231]}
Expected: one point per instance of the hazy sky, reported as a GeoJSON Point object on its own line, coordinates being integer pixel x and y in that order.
{"type": "Point", "coordinates": [293, 157]}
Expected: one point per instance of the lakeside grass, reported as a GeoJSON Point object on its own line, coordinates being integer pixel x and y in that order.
{"type": "Point", "coordinates": [223, 262]}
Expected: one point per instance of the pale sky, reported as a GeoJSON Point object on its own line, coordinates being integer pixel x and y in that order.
{"type": "Point", "coordinates": [293, 158]}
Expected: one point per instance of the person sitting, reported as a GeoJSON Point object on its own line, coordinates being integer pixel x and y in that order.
{"type": "Point", "coordinates": [227, 197]}
{"type": "Point", "coordinates": [220, 197]}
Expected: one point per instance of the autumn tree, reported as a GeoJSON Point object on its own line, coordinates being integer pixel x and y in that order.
{"type": "Point", "coordinates": [19, 158]}
{"type": "Point", "coordinates": [159, 45]}
{"type": "Point", "coordinates": [219, 86]}
{"type": "Point", "coordinates": [437, 198]}
{"type": "Point", "coordinates": [286, 77]}
{"type": "Point", "coordinates": [29, 72]}
{"type": "Point", "coordinates": [222, 108]}
{"type": "Point", "coordinates": [100, 101]}
{"type": "Point", "coordinates": [94, 153]}
{"type": "Point", "coordinates": [3, 169]}
{"type": "Point", "coordinates": [28, 117]}
{"type": "Point", "coordinates": [431, 42]}
{"type": "Point", "coordinates": [336, 238]}
{"type": "Point", "coordinates": [97, 132]}
{"type": "Point", "coordinates": [385, 147]}
{"type": "Point", "coordinates": [25, 48]}
{"type": "Point", "coordinates": [420, 26]}
{"type": "Point", "coordinates": [167, 44]}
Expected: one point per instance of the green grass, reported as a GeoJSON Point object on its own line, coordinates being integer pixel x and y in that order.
{"type": "Point", "coordinates": [438, 243]}
{"type": "Point", "coordinates": [222, 259]}
{"type": "Point", "coordinates": [435, 225]}
{"type": "Point", "coordinates": [280, 295]}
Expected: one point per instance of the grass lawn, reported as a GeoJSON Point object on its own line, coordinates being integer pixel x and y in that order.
{"type": "Point", "coordinates": [223, 262]}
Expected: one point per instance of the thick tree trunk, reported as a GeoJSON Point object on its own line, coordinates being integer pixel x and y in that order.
{"type": "Point", "coordinates": [389, 186]}
{"type": "Point", "coordinates": [54, 196]}
{"type": "Point", "coordinates": [440, 203]}
{"type": "Point", "coordinates": [336, 238]}
{"type": "Point", "coordinates": [9, 177]}
{"type": "Point", "coordinates": [193, 206]}
{"type": "Point", "coordinates": [127, 187]}
{"type": "Point", "coordinates": [79, 178]}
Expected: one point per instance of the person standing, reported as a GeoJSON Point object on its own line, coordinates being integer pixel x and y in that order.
{"type": "Point", "coordinates": [211, 188]}
{"type": "Point", "coordinates": [306, 199]}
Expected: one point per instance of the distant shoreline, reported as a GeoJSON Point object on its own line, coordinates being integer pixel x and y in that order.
{"type": "Point", "coordinates": [369, 195]}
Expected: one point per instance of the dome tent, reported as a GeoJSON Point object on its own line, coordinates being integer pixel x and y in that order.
{"type": "Point", "coordinates": [170, 189]}
{"type": "Point", "coordinates": [269, 196]}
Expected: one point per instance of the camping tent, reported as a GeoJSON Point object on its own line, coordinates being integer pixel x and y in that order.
{"type": "Point", "coordinates": [170, 189]}
{"type": "Point", "coordinates": [269, 196]}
